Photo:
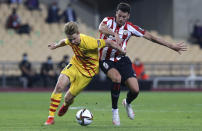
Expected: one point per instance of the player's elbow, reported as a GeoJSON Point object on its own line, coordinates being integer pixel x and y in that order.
{"type": "Point", "coordinates": [148, 36]}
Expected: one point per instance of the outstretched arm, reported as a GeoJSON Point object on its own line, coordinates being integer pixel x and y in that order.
{"type": "Point", "coordinates": [56, 45]}
{"type": "Point", "coordinates": [105, 30]}
{"type": "Point", "coordinates": [176, 47]}
{"type": "Point", "coordinates": [113, 45]}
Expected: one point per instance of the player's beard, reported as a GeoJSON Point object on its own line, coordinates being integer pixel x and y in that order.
{"type": "Point", "coordinates": [120, 23]}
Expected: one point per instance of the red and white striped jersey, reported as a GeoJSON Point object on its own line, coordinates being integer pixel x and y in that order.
{"type": "Point", "coordinates": [125, 32]}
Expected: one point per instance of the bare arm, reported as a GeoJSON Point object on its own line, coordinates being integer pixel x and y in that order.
{"type": "Point", "coordinates": [105, 30]}
{"type": "Point", "coordinates": [113, 45]}
{"type": "Point", "coordinates": [53, 46]}
{"type": "Point", "coordinates": [176, 47]}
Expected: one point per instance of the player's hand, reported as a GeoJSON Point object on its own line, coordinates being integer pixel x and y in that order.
{"type": "Point", "coordinates": [118, 39]}
{"type": "Point", "coordinates": [121, 51]}
{"type": "Point", "coordinates": [52, 46]}
{"type": "Point", "coordinates": [179, 47]}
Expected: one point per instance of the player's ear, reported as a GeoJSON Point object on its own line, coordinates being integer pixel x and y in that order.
{"type": "Point", "coordinates": [116, 13]}
{"type": "Point", "coordinates": [128, 16]}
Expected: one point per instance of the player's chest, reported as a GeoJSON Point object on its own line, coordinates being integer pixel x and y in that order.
{"type": "Point", "coordinates": [123, 33]}
{"type": "Point", "coordinates": [83, 52]}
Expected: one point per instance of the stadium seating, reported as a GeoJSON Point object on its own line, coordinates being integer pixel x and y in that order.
{"type": "Point", "coordinates": [12, 45]}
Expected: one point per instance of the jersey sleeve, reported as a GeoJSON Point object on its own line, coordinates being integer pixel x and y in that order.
{"type": "Point", "coordinates": [107, 21]}
{"type": "Point", "coordinates": [92, 43]}
{"type": "Point", "coordinates": [101, 43]}
{"type": "Point", "coordinates": [136, 30]}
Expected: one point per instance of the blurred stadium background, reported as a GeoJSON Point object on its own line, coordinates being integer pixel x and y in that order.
{"type": "Point", "coordinates": [172, 20]}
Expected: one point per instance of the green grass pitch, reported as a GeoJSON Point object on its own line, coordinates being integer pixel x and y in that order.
{"type": "Point", "coordinates": [155, 111]}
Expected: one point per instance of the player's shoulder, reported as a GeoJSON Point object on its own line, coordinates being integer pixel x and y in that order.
{"type": "Point", "coordinates": [133, 26]}
{"type": "Point", "coordinates": [108, 18]}
{"type": "Point", "coordinates": [85, 37]}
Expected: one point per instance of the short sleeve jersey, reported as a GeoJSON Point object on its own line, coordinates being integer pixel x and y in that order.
{"type": "Point", "coordinates": [86, 54]}
{"type": "Point", "coordinates": [125, 32]}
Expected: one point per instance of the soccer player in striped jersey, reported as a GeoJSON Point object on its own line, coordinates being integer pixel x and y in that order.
{"type": "Point", "coordinates": [119, 67]}
{"type": "Point", "coordinates": [79, 72]}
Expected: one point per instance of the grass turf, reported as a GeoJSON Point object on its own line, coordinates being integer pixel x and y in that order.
{"type": "Point", "coordinates": [155, 111]}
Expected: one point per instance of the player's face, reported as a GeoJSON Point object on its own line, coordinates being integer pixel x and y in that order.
{"type": "Point", "coordinates": [122, 17]}
{"type": "Point", "coordinates": [74, 39]}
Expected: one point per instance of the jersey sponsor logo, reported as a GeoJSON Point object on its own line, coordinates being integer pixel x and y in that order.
{"type": "Point", "coordinates": [106, 66]}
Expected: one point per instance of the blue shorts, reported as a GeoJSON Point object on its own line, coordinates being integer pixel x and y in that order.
{"type": "Point", "coordinates": [124, 66]}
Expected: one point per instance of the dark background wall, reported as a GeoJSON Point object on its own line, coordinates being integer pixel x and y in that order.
{"type": "Point", "coordinates": [168, 17]}
{"type": "Point", "coordinates": [154, 15]}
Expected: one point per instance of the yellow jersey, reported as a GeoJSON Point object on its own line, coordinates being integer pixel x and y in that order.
{"type": "Point", "coordinates": [86, 54]}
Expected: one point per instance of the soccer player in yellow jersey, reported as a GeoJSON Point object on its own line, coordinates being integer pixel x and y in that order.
{"type": "Point", "coordinates": [79, 72]}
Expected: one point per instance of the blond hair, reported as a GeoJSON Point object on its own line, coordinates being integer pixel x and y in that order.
{"type": "Point", "coordinates": [71, 28]}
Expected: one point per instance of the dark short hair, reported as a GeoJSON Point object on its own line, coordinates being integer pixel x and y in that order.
{"type": "Point", "coordinates": [125, 7]}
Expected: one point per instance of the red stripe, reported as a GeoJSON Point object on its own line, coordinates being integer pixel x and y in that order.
{"type": "Point", "coordinates": [53, 110]}
{"type": "Point", "coordinates": [105, 38]}
{"type": "Point", "coordinates": [84, 65]}
{"type": "Point", "coordinates": [116, 54]}
{"type": "Point", "coordinates": [53, 105]}
{"type": "Point", "coordinates": [112, 24]}
{"type": "Point", "coordinates": [137, 28]}
{"type": "Point", "coordinates": [78, 58]}
{"type": "Point", "coordinates": [104, 22]}
{"type": "Point", "coordinates": [85, 60]}
{"type": "Point", "coordinates": [125, 36]}
{"type": "Point", "coordinates": [75, 51]}
{"type": "Point", "coordinates": [88, 62]}
{"type": "Point", "coordinates": [92, 59]}
{"type": "Point", "coordinates": [100, 35]}
{"type": "Point", "coordinates": [109, 51]}
{"type": "Point", "coordinates": [84, 57]}
{"type": "Point", "coordinates": [53, 100]}
{"type": "Point", "coordinates": [126, 28]}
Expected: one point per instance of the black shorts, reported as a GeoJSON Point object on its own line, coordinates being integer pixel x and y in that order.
{"type": "Point", "coordinates": [124, 66]}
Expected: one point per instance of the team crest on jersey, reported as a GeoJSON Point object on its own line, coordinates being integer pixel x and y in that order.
{"type": "Point", "coordinates": [125, 32]}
